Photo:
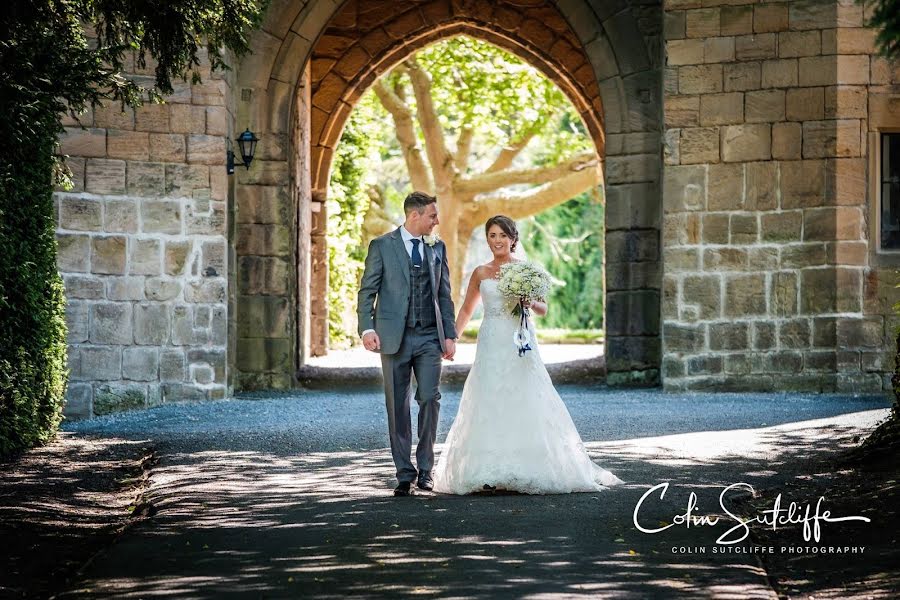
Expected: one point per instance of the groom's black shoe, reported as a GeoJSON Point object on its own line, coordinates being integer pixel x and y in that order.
{"type": "Point", "coordinates": [404, 488]}
{"type": "Point", "coordinates": [425, 481]}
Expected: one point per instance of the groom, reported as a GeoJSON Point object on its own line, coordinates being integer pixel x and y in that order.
{"type": "Point", "coordinates": [406, 313]}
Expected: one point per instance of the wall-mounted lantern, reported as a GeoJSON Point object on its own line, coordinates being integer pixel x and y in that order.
{"type": "Point", "coordinates": [247, 144]}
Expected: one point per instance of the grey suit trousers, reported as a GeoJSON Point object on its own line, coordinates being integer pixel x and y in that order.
{"type": "Point", "coordinates": [420, 353]}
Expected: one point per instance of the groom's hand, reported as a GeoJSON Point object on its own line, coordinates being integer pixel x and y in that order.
{"type": "Point", "coordinates": [450, 349]}
{"type": "Point", "coordinates": [371, 341]}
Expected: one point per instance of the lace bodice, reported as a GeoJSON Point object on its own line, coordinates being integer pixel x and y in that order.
{"type": "Point", "coordinates": [495, 304]}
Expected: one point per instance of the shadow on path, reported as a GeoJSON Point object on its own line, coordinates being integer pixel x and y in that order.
{"type": "Point", "coordinates": [240, 514]}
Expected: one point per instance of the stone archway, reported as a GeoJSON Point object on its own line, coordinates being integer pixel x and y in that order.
{"type": "Point", "coordinates": [312, 62]}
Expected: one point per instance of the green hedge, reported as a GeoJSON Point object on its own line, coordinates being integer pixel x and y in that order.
{"type": "Point", "coordinates": [32, 303]}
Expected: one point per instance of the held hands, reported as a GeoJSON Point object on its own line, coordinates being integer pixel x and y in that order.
{"type": "Point", "coordinates": [371, 341]}
{"type": "Point", "coordinates": [450, 349]}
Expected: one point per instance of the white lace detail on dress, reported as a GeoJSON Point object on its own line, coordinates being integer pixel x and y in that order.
{"type": "Point", "coordinates": [512, 430]}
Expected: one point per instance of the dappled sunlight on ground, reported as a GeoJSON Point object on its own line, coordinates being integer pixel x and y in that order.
{"type": "Point", "coordinates": [326, 524]}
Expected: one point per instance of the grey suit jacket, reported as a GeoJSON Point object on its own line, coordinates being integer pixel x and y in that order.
{"type": "Point", "coordinates": [383, 299]}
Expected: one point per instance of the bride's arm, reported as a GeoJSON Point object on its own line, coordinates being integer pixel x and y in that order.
{"type": "Point", "coordinates": [473, 295]}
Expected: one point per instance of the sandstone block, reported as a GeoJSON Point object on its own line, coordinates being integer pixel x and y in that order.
{"type": "Point", "coordinates": [802, 183]}
{"type": "Point", "coordinates": [161, 216]}
{"type": "Point", "coordinates": [140, 364]}
{"type": "Point", "coordinates": [746, 142]}
{"type": "Point", "coordinates": [161, 290]}
{"type": "Point", "coordinates": [125, 288]}
{"type": "Point", "coordinates": [787, 141]}
{"type": "Point", "coordinates": [146, 178]}
{"type": "Point", "coordinates": [83, 142]}
{"type": "Point", "coordinates": [721, 109]}
{"type": "Point", "coordinates": [680, 111]}
{"type": "Point", "coordinates": [736, 20]}
{"type": "Point", "coordinates": [187, 118]}
{"type": "Point", "coordinates": [785, 291]}
{"type": "Point", "coordinates": [781, 226]}
{"type": "Point", "coordinates": [755, 47]}
{"type": "Point", "coordinates": [718, 49]}
{"type": "Point", "coordinates": [792, 44]}
{"type": "Point", "coordinates": [73, 252]}
{"type": "Point", "coordinates": [725, 187]}
{"type": "Point", "coordinates": [742, 76]}
{"type": "Point", "coordinates": [100, 363]}
{"type": "Point", "coordinates": [172, 365]}
{"type": "Point", "coordinates": [818, 293]}
{"type": "Point", "coordinates": [702, 23]}
{"type": "Point", "coordinates": [839, 137]}
{"type": "Point", "coordinates": [152, 117]}
{"type": "Point", "coordinates": [182, 180]}
{"type": "Point", "coordinates": [104, 176]}
{"type": "Point", "coordinates": [129, 145]}
{"type": "Point", "coordinates": [781, 73]}
{"type": "Point", "coordinates": [805, 104]}
{"type": "Point", "coordinates": [700, 79]}
{"type": "Point", "coordinates": [111, 116]}
{"type": "Point", "coordinates": [684, 188]}
{"type": "Point", "coordinates": [745, 295]}
{"type": "Point", "coordinates": [80, 214]}
{"type": "Point", "coordinates": [729, 336]}
{"type": "Point", "coordinates": [206, 149]}
{"type": "Point", "coordinates": [145, 256]}
{"type": "Point", "coordinates": [832, 223]}
{"type": "Point", "coordinates": [108, 254]}
{"type": "Point", "coordinates": [715, 228]}
{"type": "Point", "coordinates": [80, 286]}
{"type": "Point", "coordinates": [110, 323]}
{"type": "Point", "coordinates": [684, 52]}
{"type": "Point", "coordinates": [770, 17]}
{"type": "Point", "coordinates": [760, 186]}
{"type": "Point", "coordinates": [744, 229]}
{"type": "Point", "coordinates": [704, 293]}
{"type": "Point", "coordinates": [765, 106]}
{"type": "Point", "coordinates": [167, 147]}
{"type": "Point", "coordinates": [699, 145]}
{"type": "Point", "coordinates": [151, 324]}
{"type": "Point", "coordinates": [846, 101]}
{"type": "Point", "coordinates": [176, 256]}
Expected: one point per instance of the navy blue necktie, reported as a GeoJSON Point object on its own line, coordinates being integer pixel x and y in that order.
{"type": "Point", "coordinates": [416, 257]}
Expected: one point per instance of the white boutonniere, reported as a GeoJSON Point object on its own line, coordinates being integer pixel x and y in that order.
{"type": "Point", "coordinates": [431, 240]}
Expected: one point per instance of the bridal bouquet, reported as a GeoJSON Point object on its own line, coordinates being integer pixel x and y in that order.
{"type": "Point", "coordinates": [523, 282]}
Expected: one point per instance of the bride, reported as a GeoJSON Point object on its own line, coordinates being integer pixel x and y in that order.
{"type": "Point", "coordinates": [512, 431]}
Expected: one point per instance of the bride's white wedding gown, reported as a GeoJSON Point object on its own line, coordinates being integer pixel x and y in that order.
{"type": "Point", "coordinates": [512, 430]}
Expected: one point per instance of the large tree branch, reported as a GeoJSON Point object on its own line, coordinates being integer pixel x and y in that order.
{"type": "Point", "coordinates": [535, 200]}
{"type": "Point", "coordinates": [509, 152]}
{"type": "Point", "coordinates": [463, 148]}
{"type": "Point", "coordinates": [488, 182]}
{"type": "Point", "coordinates": [406, 135]}
{"type": "Point", "coordinates": [442, 165]}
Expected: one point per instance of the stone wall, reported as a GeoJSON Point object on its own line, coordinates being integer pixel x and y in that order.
{"type": "Point", "coordinates": [143, 250]}
{"type": "Point", "coordinates": [770, 278]}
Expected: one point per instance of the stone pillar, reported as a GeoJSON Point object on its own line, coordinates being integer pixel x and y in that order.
{"type": "Point", "coordinates": [318, 292]}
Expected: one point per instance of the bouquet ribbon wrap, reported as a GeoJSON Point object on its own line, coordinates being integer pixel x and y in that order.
{"type": "Point", "coordinates": [521, 336]}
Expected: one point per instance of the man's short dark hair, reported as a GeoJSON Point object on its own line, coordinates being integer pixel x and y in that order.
{"type": "Point", "coordinates": [417, 201]}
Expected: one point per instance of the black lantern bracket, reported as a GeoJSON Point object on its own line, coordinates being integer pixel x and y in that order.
{"type": "Point", "coordinates": [247, 145]}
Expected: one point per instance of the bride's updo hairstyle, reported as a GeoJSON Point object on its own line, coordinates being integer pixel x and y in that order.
{"type": "Point", "coordinates": [507, 225]}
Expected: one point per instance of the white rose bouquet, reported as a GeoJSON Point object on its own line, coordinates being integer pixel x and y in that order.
{"type": "Point", "coordinates": [523, 282]}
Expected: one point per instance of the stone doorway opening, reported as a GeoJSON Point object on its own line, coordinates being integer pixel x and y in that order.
{"type": "Point", "coordinates": [321, 58]}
